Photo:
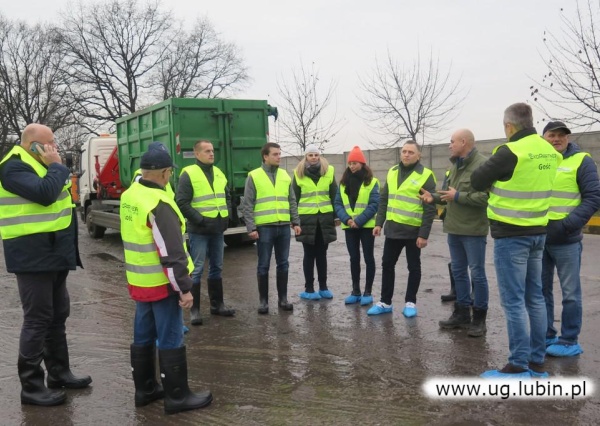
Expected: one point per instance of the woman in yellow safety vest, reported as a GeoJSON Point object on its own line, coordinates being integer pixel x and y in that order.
{"type": "Point", "coordinates": [356, 205]}
{"type": "Point", "coordinates": [315, 188]}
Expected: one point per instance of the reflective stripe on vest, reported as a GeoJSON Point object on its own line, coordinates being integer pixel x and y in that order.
{"type": "Point", "coordinates": [565, 191]}
{"type": "Point", "coordinates": [168, 188]}
{"type": "Point", "coordinates": [209, 202]}
{"type": "Point", "coordinates": [314, 198]}
{"type": "Point", "coordinates": [272, 201]}
{"type": "Point", "coordinates": [20, 216]}
{"type": "Point", "coordinates": [362, 201]}
{"type": "Point", "coordinates": [404, 205]}
{"type": "Point", "coordinates": [142, 263]}
{"type": "Point", "coordinates": [524, 199]}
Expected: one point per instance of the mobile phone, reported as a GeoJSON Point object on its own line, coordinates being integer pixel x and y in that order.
{"type": "Point", "coordinates": [35, 147]}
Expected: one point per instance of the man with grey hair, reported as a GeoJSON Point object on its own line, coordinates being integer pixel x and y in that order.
{"type": "Point", "coordinates": [520, 175]}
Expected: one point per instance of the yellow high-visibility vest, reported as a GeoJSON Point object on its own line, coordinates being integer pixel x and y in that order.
{"type": "Point", "coordinates": [565, 191]}
{"type": "Point", "coordinates": [272, 201]}
{"type": "Point", "coordinates": [314, 198]}
{"type": "Point", "coordinates": [209, 202]}
{"type": "Point", "coordinates": [20, 216]}
{"type": "Point", "coordinates": [524, 199]}
{"type": "Point", "coordinates": [362, 201]}
{"type": "Point", "coordinates": [404, 204]}
{"type": "Point", "coordinates": [142, 264]}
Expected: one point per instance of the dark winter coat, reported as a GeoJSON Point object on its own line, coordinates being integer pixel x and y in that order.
{"type": "Point", "coordinates": [46, 251]}
{"type": "Point", "coordinates": [310, 222]}
{"type": "Point", "coordinates": [569, 229]}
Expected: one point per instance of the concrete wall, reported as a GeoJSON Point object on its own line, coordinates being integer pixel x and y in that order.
{"type": "Point", "coordinates": [434, 157]}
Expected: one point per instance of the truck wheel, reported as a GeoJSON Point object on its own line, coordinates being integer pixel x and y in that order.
{"type": "Point", "coordinates": [95, 231]}
{"type": "Point", "coordinates": [238, 240]}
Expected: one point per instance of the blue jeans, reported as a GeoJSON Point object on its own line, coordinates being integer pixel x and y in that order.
{"type": "Point", "coordinates": [518, 263]}
{"type": "Point", "coordinates": [162, 319]}
{"type": "Point", "coordinates": [269, 237]}
{"type": "Point", "coordinates": [566, 258]}
{"type": "Point", "coordinates": [468, 252]}
{"type": "Point", "coordinates": [203, 246]}
{"type": "Point", "coordinates": [354, 239]}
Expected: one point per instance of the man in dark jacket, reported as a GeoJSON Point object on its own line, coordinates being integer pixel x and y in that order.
{"type": "Point", "coordinates": [204, 199]}
{"type": "Point", "coordinates": [270, 210]}
{"type": "Point", "coordinates": [38, 225]}
{"type": "Point", "coordinates": [520, 175]}
{"type": "Point", "coordinates": [575, 199]}
{"type": "Point", "coordinates": [407, 225]}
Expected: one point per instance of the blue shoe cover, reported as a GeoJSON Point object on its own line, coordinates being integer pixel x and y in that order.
{"type": "Point", "coordinates": [379, 309]}
{"type": "Point", "coordinates": [185, 329]}
{"type": "Point", "coordinates": [551, 340]}
{"type": "Point", "coordinates": [497, 374]}
{"type": "Point", "coordinates": [310, 296]}
{"type": "Point", "coordinates": [410, 310]}
{"type": "Point", "coordinates": [366, 300]}
{"type": "Point", "coordinates": [326, 294]}
{"type": "Point", "coordinates": [563, 350]}
{"type": "Point", "coordinates": [536, 375]}
{"type": "Point", "coordinates": [352, 299]}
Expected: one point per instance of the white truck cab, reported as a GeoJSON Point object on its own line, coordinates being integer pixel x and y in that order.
{"type": "Point", "coordinates": [101, 146]}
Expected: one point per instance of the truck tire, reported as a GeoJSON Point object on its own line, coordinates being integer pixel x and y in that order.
{"type": "Point", "coordinates": [238, 240]}
{"type": "Point", "coordinates": [95, 231]}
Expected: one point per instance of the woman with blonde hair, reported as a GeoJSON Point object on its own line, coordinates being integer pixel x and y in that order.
{"type": "Point", "coordinates": [315, 188]}
{"type": "Point", "coordinates": [356, 204]}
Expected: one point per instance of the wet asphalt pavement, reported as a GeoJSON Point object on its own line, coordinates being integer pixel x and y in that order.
{"type": "Point", "coordinates": [325, 363]}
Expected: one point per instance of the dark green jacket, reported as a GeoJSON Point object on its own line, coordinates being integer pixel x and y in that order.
{"type": "Point", "coordinates": [466, 215]}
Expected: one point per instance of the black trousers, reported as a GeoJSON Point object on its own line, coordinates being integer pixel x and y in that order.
{"type": "Point", "coordinates": [46, 307]}
{"type": "Point", "coordinates": [391, 252]}
{"type": "Point", "coordinates": [315, 254]}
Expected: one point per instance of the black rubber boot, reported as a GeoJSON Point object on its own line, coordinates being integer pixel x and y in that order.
{"type": "Point", "coordinates": [56, 358]}
{"type": "Point", "coordinates": [195, 318]}
{"type": "Point", "coordinates": [478, 328]}
{"type": "Point", "coordinates": [263, 294]}
{"type": "Point", "coordinates": [33, 389]}
{"type": "Point", "coordinates": [174, 376]}
{"type": "Point", "coordinates": [143, 369]}
{"type": "Point", "coordinates": [215, 294]}
{"type": "Point", "coordinates": [460, 318]}
{"type": "Point", "coordinates": [452, 295]}
{"type": "Point", "coordinates": [282, 283]}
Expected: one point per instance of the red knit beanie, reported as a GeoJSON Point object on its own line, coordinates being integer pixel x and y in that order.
{"type": "Point", "coordinates": [357, 155]}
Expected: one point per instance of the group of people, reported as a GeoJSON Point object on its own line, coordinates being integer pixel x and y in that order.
{"type": "Point", "coordinates": [534, 193]}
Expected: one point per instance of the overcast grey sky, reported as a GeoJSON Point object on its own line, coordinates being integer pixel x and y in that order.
{"type": "Point", "coordinates": [494, 46]}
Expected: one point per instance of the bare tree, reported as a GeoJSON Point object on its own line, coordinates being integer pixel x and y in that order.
{"type": "Point", "coordinates": [200, 64]}
{"type": "Point", "coordinates": [409, 101]}
{"type": "Point", "coordinates": [33, 85]}
{"type": "Point", "coordinates": [303, 107]}
{"type": "Point", "coordinates": [572, 58]}
{"type": "Point", "coordinates": [112, 49]}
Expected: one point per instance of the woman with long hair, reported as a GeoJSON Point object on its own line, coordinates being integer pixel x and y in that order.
{"type": "Point", "coordinates": [315, 188]}
{"type": "Point", "coordinates": [356, 204]}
